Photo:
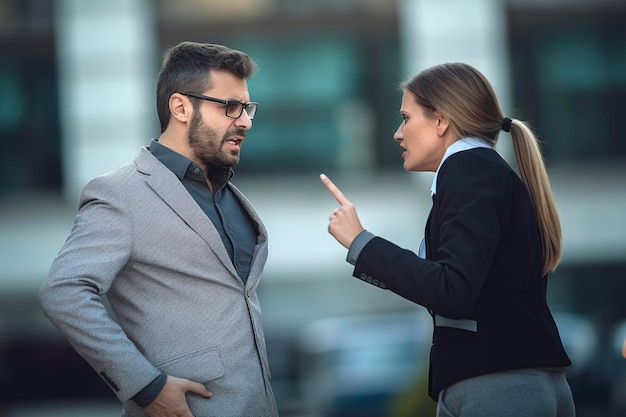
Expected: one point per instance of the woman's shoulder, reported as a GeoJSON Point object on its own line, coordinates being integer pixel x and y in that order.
{"type": "Point", "coordinates": [478, 167]}
{"type": "Point", "coordinates": [475, 156]}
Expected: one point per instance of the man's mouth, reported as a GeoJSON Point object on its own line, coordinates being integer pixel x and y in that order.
{"type": "Point", "coordinates": [234, 140]}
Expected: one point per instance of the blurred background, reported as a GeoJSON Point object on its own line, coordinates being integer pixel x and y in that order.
{"type": "Point", "coordinates": [76, 86]}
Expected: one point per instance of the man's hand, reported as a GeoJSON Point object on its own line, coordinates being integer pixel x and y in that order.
{"type": "Point", "coordinates": [344, 223]}
{"type": "Point", "coordinates": [171, 401]}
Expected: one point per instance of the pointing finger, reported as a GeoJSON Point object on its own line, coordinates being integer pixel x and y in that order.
{"type": "Point", "coordinates": [334, 190]}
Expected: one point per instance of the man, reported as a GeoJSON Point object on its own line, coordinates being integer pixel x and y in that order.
{"type": "Point", "coordinates": [178, 251]}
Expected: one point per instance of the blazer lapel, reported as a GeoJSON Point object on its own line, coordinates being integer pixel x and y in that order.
{"type": "Point", "coordinates": [167, 186]}
{"type": "Point", "coordinates": [260, 250]}
{"type": "Point", "coordinates": [427, 236]}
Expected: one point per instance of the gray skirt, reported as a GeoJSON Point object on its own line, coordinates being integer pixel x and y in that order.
{"type": "Point", "coordinates": [531, 392]}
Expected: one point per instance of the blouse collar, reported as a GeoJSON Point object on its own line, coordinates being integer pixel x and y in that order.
{"type": "Point", "coordinates": [462, 144]}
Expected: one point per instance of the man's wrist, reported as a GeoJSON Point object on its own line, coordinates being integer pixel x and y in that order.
{"type": "Point", "coordinates": [149, 393]}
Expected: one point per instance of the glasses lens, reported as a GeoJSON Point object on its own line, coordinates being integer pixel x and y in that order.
{"type": "Point", "coordinates": [234, 109]}
{"type": "Point", "coordinates": [251, 110]}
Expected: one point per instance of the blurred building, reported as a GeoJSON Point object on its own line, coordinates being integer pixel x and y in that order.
{"type": "Point", "coordinates": [77, 81]}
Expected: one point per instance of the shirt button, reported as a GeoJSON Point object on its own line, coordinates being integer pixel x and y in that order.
{"type": "Point", "coordinates": [196, 170]}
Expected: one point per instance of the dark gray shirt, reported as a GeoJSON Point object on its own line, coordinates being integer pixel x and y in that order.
{"type": "Point", "coordinates": [235, 227]}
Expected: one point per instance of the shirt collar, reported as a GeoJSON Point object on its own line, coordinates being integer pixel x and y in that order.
{"type": "Point", "coordinates": [462, 144]}
{"type": "Point", "coordinates": [174, 161]}
{"type": "Point", "coordinates": [184, 167]}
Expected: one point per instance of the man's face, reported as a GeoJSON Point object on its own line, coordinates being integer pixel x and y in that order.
{"type": "Point", "coordinates": [214, 138]}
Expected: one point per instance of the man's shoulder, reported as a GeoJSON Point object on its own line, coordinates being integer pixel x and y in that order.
{"type": "Point", "coordinates": [119, 174]}
{"type": "Point", "coordinates": [120, 179]}
{"type": "Point", "coordinates": [143, 163]}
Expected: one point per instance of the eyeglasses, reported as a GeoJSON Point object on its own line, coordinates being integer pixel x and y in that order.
{"type": "Point", "coordinates": [234, 108]}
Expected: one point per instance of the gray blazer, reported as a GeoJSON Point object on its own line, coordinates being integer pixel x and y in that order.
{"type": "Point", "coordinates": [176, 302]}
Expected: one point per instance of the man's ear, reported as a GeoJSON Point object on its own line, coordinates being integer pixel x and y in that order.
{"type": "Point", "coordinates": [181, 108]}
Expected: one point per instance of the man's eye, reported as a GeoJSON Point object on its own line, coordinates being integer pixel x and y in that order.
{"type": "Point", "coordinates": [233, 106]}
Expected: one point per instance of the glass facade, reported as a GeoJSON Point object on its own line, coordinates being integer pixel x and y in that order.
{"type": "Point", "coordinates": [328, 99]}
{"type": "Point", "coordinates": [326, 85]}
{"type": "Point", "coordinates": [569, 73]}
{"type": "Point", "coordinates": [29, 119]}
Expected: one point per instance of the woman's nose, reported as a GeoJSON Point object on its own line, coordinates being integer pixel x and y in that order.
{"type": "Point", "coordinates": [397, 136]}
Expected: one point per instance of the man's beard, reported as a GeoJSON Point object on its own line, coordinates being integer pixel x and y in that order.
{"type": "Point", "coordinates": [206, 145]}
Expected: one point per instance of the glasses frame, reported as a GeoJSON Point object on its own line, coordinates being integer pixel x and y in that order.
{"type": "Point", "coordinates": [244, 106]}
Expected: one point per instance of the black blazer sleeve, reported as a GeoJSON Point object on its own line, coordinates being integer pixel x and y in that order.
{"type": "Point", "coordinates": [463, 233]}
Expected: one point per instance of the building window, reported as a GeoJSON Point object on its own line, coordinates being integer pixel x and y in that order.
{"type": "Point", "coordinates": [569, 81]}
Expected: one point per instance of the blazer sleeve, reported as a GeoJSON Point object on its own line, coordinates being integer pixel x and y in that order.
{"type": "Point", "coordinates": [99, 246]}
{"type": "Point", "coordinates": [464, 233]}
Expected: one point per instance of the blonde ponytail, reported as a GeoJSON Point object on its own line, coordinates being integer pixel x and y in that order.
{"type": "Point", "coordinates": [534, 175]}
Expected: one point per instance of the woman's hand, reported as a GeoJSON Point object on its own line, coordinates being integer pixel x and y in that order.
{"type": "Point", "coordinates": [344, 223]}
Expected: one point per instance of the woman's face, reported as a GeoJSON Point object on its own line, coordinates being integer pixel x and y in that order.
{"type": "Point", "coordinates": [418, 136]}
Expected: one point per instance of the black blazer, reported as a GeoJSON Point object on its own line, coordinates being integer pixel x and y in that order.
{"type": "Point", "coordinates": [482, 279]}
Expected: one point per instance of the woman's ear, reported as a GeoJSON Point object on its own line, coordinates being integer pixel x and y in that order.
{"type": "Point", "coordinates": [442, 123]}
{"type": "Point", "coordinates": [181, 108]}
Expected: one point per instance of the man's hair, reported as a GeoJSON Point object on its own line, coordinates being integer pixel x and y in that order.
{"type": "Point", "coordinates": [186, 69]}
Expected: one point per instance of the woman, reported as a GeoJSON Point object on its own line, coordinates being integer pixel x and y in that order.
{"type": "Point", "coordinates": [491, 239]}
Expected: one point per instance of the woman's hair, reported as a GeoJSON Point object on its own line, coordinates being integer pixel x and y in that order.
{"type": "Point", "coordinates": [466, 97]}
{"type": "Point", "coordinates": [186, 69]}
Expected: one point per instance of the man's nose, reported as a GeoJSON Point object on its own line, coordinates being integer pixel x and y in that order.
{"type": "Point", "coordinates": [243, 121]}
